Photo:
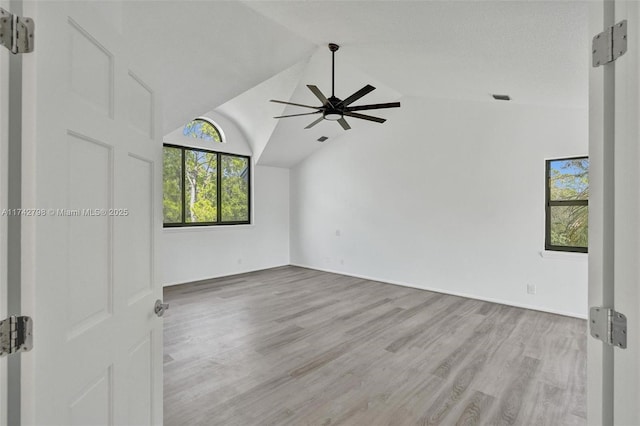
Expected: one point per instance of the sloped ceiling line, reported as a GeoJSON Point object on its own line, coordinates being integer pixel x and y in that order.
{"type": "Point", "coordinates": [252, 112]}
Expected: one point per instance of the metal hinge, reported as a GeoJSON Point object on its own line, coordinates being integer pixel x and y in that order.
{"type": "Point", "coordinates": [16, 32]}
{"type": "Point", "coordinates": [610, 44]}
{"type": "Point", "coordinates": [16, 335]}
{"type": "Point", "coordinates": [609, 326]}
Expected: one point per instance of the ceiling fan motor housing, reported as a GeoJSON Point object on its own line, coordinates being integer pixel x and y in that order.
{"type": "Point", "coordinates": [332, 109]}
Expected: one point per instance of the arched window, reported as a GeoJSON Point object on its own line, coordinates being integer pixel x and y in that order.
{"type": "Point", "coordinates": [203, 128]}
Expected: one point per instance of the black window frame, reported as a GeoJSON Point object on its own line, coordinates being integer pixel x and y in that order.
{"type": "Point", "coordinates": [554, 203]}
{"type": "Point", "coordinates": [219, 222]}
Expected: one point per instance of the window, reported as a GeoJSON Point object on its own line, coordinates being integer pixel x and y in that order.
{"type": "Point", "coordinates": [567, 204]}
{"type": "Point", "coordinates": [205, 187]}
{"type": "Point", "coordinates": [203, 128]}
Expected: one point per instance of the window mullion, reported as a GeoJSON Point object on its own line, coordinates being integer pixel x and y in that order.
{"type": "Point", "coordinates": [249, 190]}
{"type": "Point", "coordinates": [568, 203]}
{"type": "Point", "coordinates": [219, 187]}
{"type": "Point", "coordinates": [184, 187]}
{"type": "Point", "coordinates": [547, 226]}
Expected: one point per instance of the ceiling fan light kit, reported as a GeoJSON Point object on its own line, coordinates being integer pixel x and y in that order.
{"type": "Point", "coordinates": [335, 109]}
{"type": "Point", "coordinates": [333, 116]}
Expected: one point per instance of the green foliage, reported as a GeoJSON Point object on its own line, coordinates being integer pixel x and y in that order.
{"type": "Point", "coordinates": [201, 175]}
{"type": "Point", "coordinates": [569, 181]}
{"type": "Point", "coordinates": [172, 185]}
{"type": "Point", "coordinates": [569, 226]}
{"type": "Point", "coordinates": [201, 186]}
{"type": "Point", "coordinates": [235, 189]}
{"type": "Point", "coordinates": [202, 129]}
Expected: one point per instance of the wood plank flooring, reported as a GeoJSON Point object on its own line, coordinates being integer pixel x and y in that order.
{"type": "Point", "coordinates": [293, 346]}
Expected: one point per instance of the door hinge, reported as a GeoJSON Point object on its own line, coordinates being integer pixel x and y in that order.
{"type": "Point", "coordinates": [16, 335]}
{"type": "Point", "coordinates": [610, 44]}
{"type": "Point", "coordinates": [609, 326]}
{"type": "Point", "coordinates": [16, 32]}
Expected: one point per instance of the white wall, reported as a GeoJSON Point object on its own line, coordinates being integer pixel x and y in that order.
{"type": "Point", "coordinates": [449, 196]}
{"type": "Point", "coordinates": [195, 253]}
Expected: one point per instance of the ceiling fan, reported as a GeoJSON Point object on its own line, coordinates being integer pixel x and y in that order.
{"type": "Point", "coordinates": [336, 109]}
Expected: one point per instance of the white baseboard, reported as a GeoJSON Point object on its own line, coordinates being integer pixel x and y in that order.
{"type": "Point", "coordinates": [452, 293]}
{"type": "Point", "coordinates": [224, 275]}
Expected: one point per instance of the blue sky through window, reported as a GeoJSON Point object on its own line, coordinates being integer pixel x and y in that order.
{"type": "Point", "coordinates": [202, 129]}
{"type": "Point", "coordinates": [570, 174]}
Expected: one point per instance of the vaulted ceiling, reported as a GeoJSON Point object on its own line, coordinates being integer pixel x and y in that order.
{"type": "Point", "coordinates": [233, 56]}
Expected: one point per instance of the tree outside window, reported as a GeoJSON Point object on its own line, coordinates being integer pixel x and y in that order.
{"type": "Point", "coordinates": [202, 128]}
{"type": "Point", "coordinates": [567, 204]}
{"type": "Point", "coordinates": [205, 187]}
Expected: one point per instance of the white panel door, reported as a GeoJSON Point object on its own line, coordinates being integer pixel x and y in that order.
{"type": "Point", "coordinates": [614, 219]}
{"type": "Point", "coordinates": [4, 142]}
{"type": "Point", "coordinates": [92, 164]}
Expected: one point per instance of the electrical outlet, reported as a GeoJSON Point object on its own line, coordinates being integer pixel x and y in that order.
{"type": "Point", "coordinates": [337, 232]}
{"type": "Point", "coordinates": [531, 289]}
{"type": "Point", "coordinates": [240, 261]}
{"type": "Point", "coordinates": [342, 261]}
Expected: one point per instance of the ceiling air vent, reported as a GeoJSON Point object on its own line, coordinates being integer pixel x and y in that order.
{"type": "Point", "coordinates": [501, 97]}
{"type": "Point", "coordinates": [322, 138]}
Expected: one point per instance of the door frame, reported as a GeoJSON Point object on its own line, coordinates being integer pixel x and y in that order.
{"type": "Point", "coordinates": [626, 380]}
{"type": "Point", "coordinates": [10, 229]}
{"type": "Point", "coordinates": [601, 211]}
{"type": "Point", "coordinates": [4, 150]}
{"type": "Point", "coordinates": [613, 383]}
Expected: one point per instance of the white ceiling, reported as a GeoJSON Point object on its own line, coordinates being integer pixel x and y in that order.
{"type": "Point", "coordinates": [532, 50]}
{"type": "Point", "coordinates": [205, 53]}
{"type": "Point", "coordinates": [227, 51]}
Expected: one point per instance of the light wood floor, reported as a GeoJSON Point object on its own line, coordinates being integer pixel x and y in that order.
{"type": "Point", "coordinates": [293, 346]}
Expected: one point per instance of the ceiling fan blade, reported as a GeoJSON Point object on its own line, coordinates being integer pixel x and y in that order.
{"type": "Point", "coordinates": [373, 106]}
{"type": "Point", "coordinates": [365, 117]}
{"type": "Point", "coordinates": [315, 122]}
{"type": "Point", "coordinates": [360, 93]}
{"type": "Point", "coordinates": [318, 94]}
{"type": "Point", "coordinates": [344, 123]}
{"type": "Point", "coordinates": [291, 103]}
{"type": "Point", "coordinates": [297, 115]}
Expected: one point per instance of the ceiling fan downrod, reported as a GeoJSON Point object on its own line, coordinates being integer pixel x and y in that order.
{"type": "Point", "coordinates": [333, 48]}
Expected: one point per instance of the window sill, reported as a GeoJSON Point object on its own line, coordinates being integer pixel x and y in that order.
{"type": "Point", "coordinates": [206, 228]}
{"type": "Point", "coordinates": [564, 255]}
